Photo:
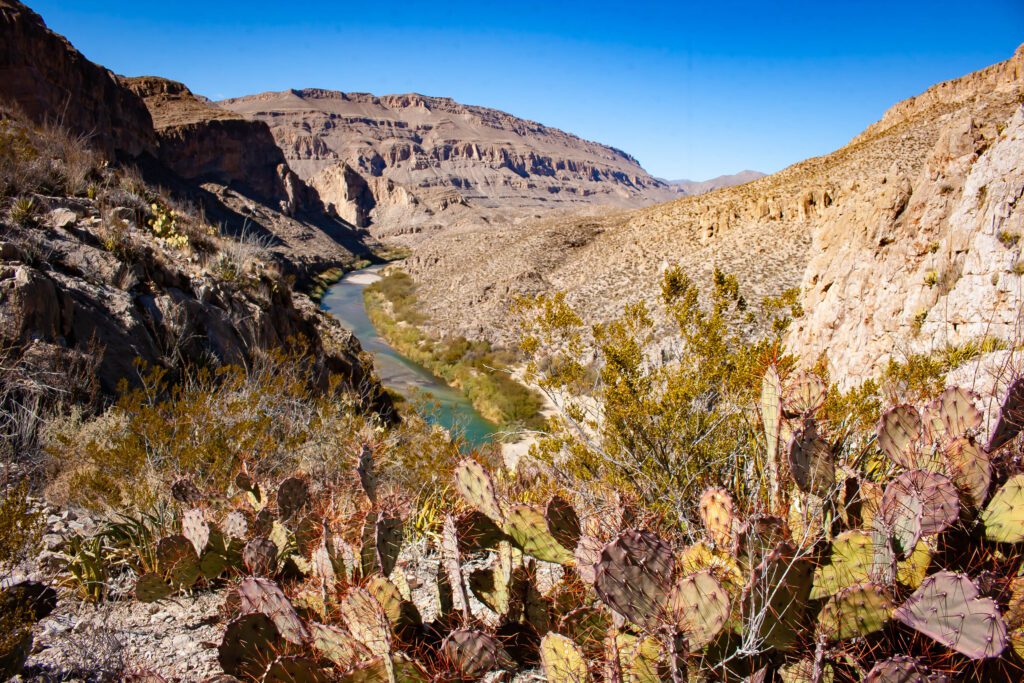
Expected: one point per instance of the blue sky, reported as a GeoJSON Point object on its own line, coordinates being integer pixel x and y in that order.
{"type": "Point", "coordinates": [692, 90]}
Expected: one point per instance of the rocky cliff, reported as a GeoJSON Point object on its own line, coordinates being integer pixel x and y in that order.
{"type": "Point", "coordinates": [442, 154]}
{"type": "Point", "coordinates": [903, 240]}
{"type": "Point", "coordinates": [52, 82]}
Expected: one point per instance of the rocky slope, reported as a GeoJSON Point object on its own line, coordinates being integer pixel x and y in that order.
{"type": "Point", "coordinates": [893, 238]}
{"type": "Point", "coordinates": [397, 159]}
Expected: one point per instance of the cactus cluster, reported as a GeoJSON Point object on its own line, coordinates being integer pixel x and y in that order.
{"type": "Point", "coordinates": [815, 586]}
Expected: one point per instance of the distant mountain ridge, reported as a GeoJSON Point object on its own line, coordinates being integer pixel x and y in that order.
{"type": "Point", "coordinates": [407, 157]}
{"type": "Point", "coordinates": [695, 187]}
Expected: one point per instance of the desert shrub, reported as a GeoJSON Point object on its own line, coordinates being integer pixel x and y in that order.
{"type": "Point", "coordinates": [659, 429]}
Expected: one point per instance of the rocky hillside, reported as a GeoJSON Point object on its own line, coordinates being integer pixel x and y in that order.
{"type": "Point", "coordinates": [393, 159]}
{"type": "Point", "coordinates": [905, 238]}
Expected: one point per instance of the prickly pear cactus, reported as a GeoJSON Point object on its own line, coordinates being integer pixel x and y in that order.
{"type": "Point", "coordinates": [474, 653]}
{"type": "Point", "coordinates": [588, 551]}
{"type": "Point", "coordinates": [701, 607]}
{"type": "Point", "coordinates": [1004, 515]}
{"type": "Point", "coordinates": [151, 588]}
{"type": "Point", "coordinates": [776, 597]}
{"type": "Point", "coordinates": [1011, 417]}
{"type": "Point", "coordinates": [563, 522]}
{"type": "Point", "coordinates": [970, 468]}
{"type": "Point", "coordinates": [475, 485]}
{"type": "Point", "coordinates": [717, 515]}
{"type": "Point", "coordinates": [261, 595]}
{"type": "Point", "coordinates": [387, 596]}
{"type": "Point", "coordinates": [811, 462]}
{"type": "Point", "coordinates": [528, 528]}
{"type": "Point", "coordinates": [771, 417]}
{"type": "Point", "coordinates": [940, 503]}
{"type": "Point", "coordinates": [805, 394]}
{"type": "Point", "coordinates": [382, 542]}
{"type": "Point", "coordinates": [367, 476]}
{"type": "Point", "coordinates": [178, 560]}
{"type": "Point", "coordinates": [236, 526]}
{"type": "Point", "coordinates": [948, 608]}
{"type": "Point", "coordinates": [335, 644]}
{"type": "Point", "coordinates": [260, 556]}
{"type": "Point", "coordinates": [293, 669]}
{"type": "Point", "coordinates": [633, 576]}
{"type": "Point", "coordinates": [366, 621]}
{"type": "Point", "coordinates": [898, 669]}
{"type": "Point", "coordinates": [901, 521]}
{"type": "Point", "coordinates": [900, 431]}
{"type": "Point", "coordinates": [248, 646]}
{"type": "Point", "coordinates": [951, 415]}
{"type": "Point", "coordinates": [185, 491]}
{"type": "Point", "coordinates": [292, 497]}
{"type": "Point", "coordinates": [563, 662]}
{"type": "Point", "coordinates": [855, 612]}
{"type": "Point", "coordinates": [195, 529]}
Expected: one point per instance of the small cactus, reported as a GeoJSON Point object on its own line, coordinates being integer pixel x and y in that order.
{"type": "Point", "coordinates": [771, 418]}
{"type": "Point", "coordinates": [947, 607]}
{"type": "Point", "coordinates": [717, 515]}
{"type": "Point", "coordinates": [367, 476]}
{"type": "Point", "coordinates": [563, 662]}
{"type": "Point", "coordinates": [475, 485]}
{"type": "Point", "coordinates": [633, 576]}
{"type": "Point", "coordinates": [951, 415]}
{"type": "Point", "coordinates": [335, 644]}
{"type": "Point", "coordinates": [970, 468]}
{"type": "Point", "coordinates": [900, 431]}
{"type": "Point", "coordinates": [452, 564]}
{"type": "Point", "coordinates": [1004, 514]}
{"type": "Point", "coordinates": [563, 522]}
{"type": "Point", "coordinates": [701, 608]}
{"type": "Point", "coordinates": [805, 394]}
{"type": "Point", "coordinates": [382, 542]}
{"type": "Point", "coordinates": [855, 612]}
{"type": "Point", "coordinates": [366, 621]}
{"type": "Point", "coordinates": [195, 529]}
{"type": "Point", "coordinates": [387, 596]}
{"type": "Point", "coordinates": [261, 595]}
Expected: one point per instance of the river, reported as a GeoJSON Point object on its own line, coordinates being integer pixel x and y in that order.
{"type": "Point", "coordinates": [344, 300]}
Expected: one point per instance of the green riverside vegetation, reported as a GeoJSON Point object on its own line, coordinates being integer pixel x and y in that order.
{"type": "Point", "coordinates": [481, 372]}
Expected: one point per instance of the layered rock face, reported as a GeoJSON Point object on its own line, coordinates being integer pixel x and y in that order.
{"type": "Point", "coordinates": [53, 83]}
{"type": "Point", "coordinates": [902, 241]}
{"type": "Point", "coordinates": [206, 144]}
{"type": "Point", "coordinates": [442, 153]}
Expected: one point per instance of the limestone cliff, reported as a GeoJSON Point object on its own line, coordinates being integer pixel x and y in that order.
{"type": "Point", "coordinates": [443, 155]}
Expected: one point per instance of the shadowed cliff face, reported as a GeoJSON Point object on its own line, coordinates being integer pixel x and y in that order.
{"type": "Point", "coordinates": [53, 83]}
{"type": "Point", "coordinates": [424, 157]}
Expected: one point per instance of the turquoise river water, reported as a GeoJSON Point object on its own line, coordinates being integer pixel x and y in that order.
{"type": "Point", "coordinates": [450, 409]}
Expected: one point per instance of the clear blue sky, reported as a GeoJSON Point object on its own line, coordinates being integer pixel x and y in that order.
{"type": "Point", "coordinates": [692, 89]}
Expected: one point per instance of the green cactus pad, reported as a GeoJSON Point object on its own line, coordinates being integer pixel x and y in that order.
{"type": "Point", "coordinates": [701, 608]}
{"type": "Point", "coordinates": [307, 530]}
{"type": "Point", "coordinates": [387, 596]}
{"type": "Point", "coordinates": [292, 497]}
{"type": "Point", "coordinates": [366, 621]}
{"type": "Point", "coordinates": [389, 537]}
{"type": "Point", "coordinates": [899, 434]}
{"type": "Point", "coordinates": [562, 661]}
{"type": "Point", "coordinates": [633, 576]}
{"type": "Point", "coordinates": [1011, 417]}
{"type": "Point", "coordinates": [248, 646]}
{"type": "Point", "coordinates": [266, 597]}
{"type": "Point", "coordinates": [717, 515]}
{"type": "Point", "coordinates": [855, 612]}
{"type": "Point", "coordinates": [178, 560]}
{"type": "Point", "coordinates": [263, 524]}
{"type": "Point", "coordinates": [1004, 514]}
{"type": "Point", "coordinates": [528, 529]}
{"type": "Point", "coordinates": [775, 599]}
{"type": "Point", "coordinates": [476, 487]}
{"type": "Point", "coordinates": [474, 653]}
{"type": "Point", "coordinates": [151, 588]}
{"type": "Point", "coordinates": [212, 565]}
{"type": "Point", "coordinates": [260, 556]}
{"type": "Point", "coordinates": [638, 658]}
{"type": "Point", "coordinates": [585, 625]}
{"type": "Point", "coordinates": [802, 671]}
{"type": "Point", "coordinates": [335, 644]}
{"type": "Point", "coordinates": [451, 563]}
{"type": "Point", "coordinates": [948, 608]}
{"type": "Point", "coordinates": [756, 537]}
{"type": "Point", "coordinates": [396, 669]}
{"type": "Point", "coordinates": [475, 532]}
{"type": "Point", "coordinates": [811, 462]}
